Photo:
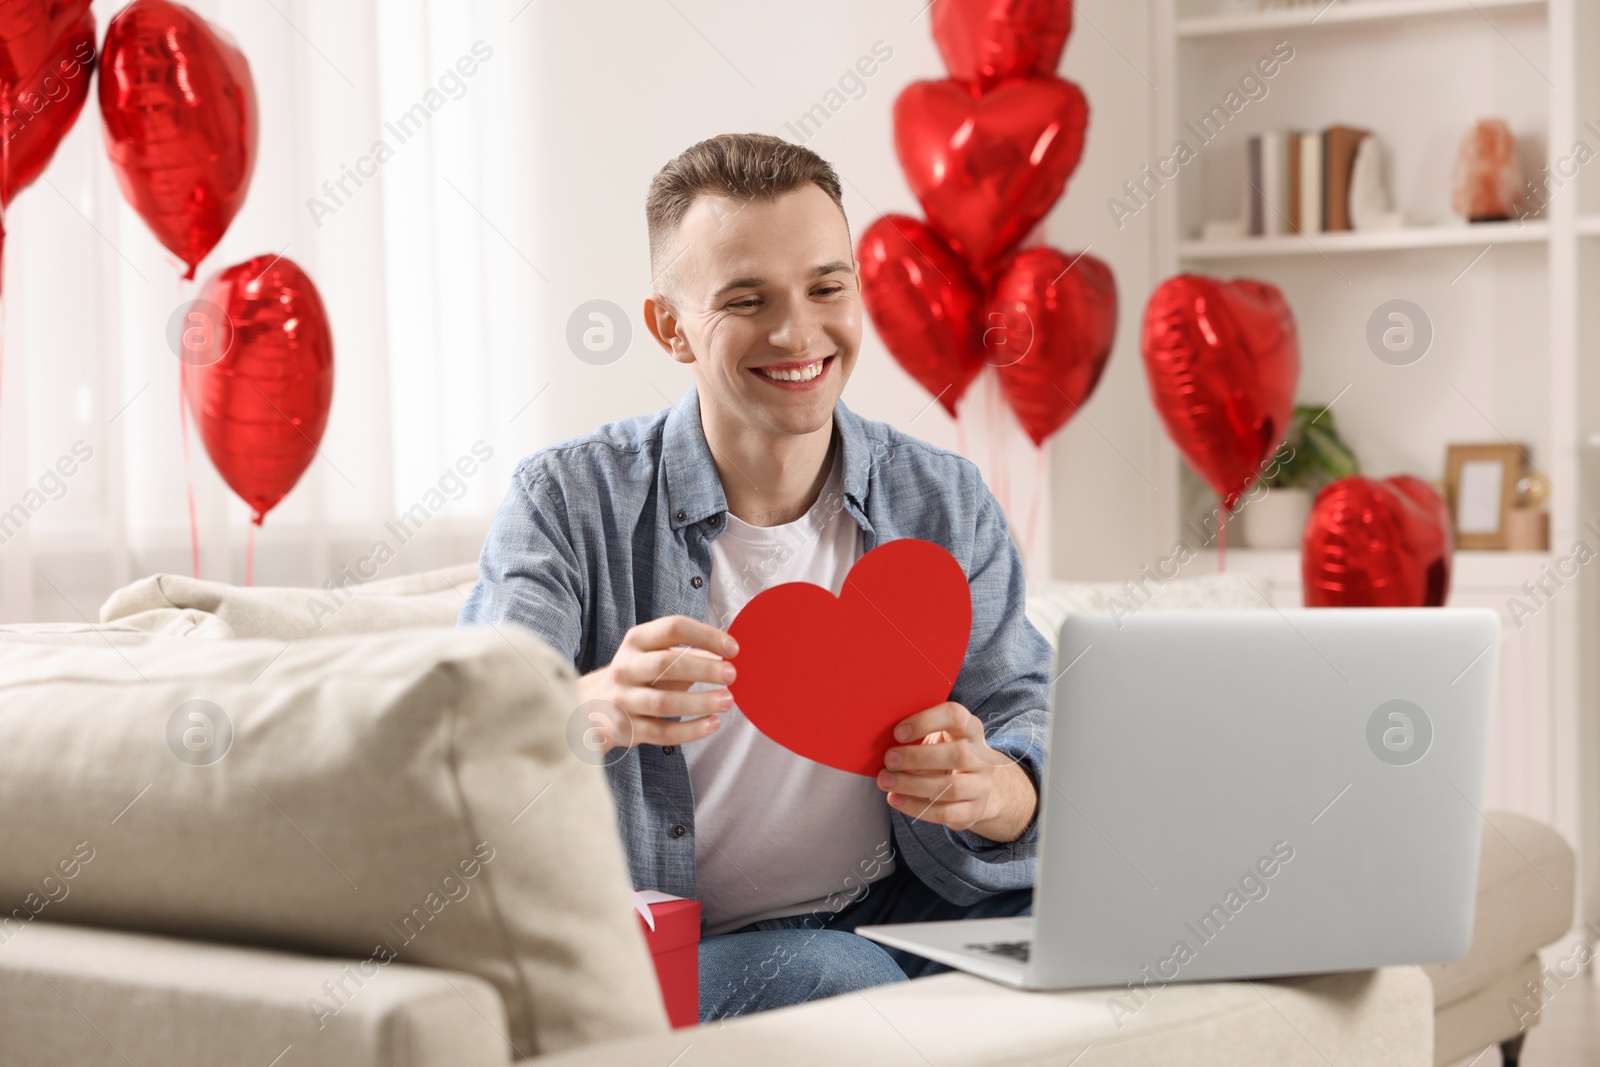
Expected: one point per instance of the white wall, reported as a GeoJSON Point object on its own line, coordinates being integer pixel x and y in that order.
{"type": "Point", "coordinates": [621, 87]}
{"type": "Point", "coordinates": [1107, 469]}
{"type": "Point", "coordinates": [449, 279]}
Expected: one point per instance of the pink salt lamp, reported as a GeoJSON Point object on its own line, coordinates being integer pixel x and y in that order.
{"type": "Point", "coordinates": [1488, 180]}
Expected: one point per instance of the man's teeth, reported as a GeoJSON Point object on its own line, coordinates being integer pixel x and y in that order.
{"type": "Point", "coordinates": [799, 374]}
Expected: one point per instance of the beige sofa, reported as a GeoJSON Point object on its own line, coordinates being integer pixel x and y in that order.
{"type": "Point", "coordinates": [396, 860]}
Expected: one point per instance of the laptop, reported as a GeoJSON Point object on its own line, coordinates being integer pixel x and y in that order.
{"type": "Point", "coordinates": [1248, 794]}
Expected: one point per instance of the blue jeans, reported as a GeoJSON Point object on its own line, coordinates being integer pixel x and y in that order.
{"type": "Point", "coordinates": [777, 962]}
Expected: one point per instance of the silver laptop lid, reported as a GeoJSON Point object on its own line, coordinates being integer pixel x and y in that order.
{"type": "Point", "coordinates": [1255, 793]}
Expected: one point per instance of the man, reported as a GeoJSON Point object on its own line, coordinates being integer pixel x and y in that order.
{"type": "Point", "coordinates": [632, 549]}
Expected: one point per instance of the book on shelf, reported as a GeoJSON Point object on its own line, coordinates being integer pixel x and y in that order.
{"type": "Point", "coordinates": [1310, 183]}
{"type": "Point", "coordinates": [1274, 183]}
{"type": "Point", "coordinates": [1266, 196]}
{"type": "Point", "coordinates": [1256, 219]}
{"type": "Point", "coordinates": [1298, 181]}
{"type": "Point", "coordinates": [1292, 165]}
{"type": "Point", "coordinates": [1339, 144]}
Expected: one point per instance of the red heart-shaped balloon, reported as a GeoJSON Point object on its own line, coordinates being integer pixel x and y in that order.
{"type": "Point", "coordinates": [891, 645]}
{"type": "Point", "coordinates": [41, 101]}
{"type": "Point", "coordinates": [987, 169]}
{"type": "Point", "coordinates": [262, 406]}
{"type": "Point", "coordinates": [988, 41]}
{"type": "Point", "coordinates": [1223, 360]}
{"type": "Point", "coordinates": [924, 302]}
{"type": "Point", "coordinates": [31, 32]}
{"type": "Point", "coordinates": [180, 115]}
{"type": "Point", "coordinates": [1377, 544]}
{"type": "Point", "coordinates": [1052, 320]}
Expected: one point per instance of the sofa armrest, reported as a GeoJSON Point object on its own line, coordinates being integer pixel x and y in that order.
{"type": "Point", "coordinates": [72, 994]}
{"type": "Point", "coordinates": [1526, 878]}
{"type": "Point", "coordinates": [957, 1020]}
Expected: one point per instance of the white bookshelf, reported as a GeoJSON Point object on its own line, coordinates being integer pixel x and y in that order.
{"type": "Point", "coordinates": [1339, 13]}
{"type": "Point", "coordinates": [1409, 237]}
{"type": "Point", "coordinates": [1477, 572]}
{"type": "Point", "coordinates": [1512, 306]}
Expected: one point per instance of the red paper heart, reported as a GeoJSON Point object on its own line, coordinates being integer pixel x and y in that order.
{"type": "Point", "coordinates": [47, 60]}
{"type": "Point", "coordinates": [1223, 360]}
{"type": "Point", "coordinates": [1052, 320]}
{"type": "Point", "coordinates": [988, 41]}
{"type": "Point", "coordinates": [986, 170]}
{"type": "Point", "coordinates": [1377, 544]}
{"type": "Point", "coordinates": [924, 303]}
{"type": "Point", "coordinates": [829, 677]}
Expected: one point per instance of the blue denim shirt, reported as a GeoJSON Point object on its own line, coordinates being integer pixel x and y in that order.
{"type": "Point", "coordinates": [603, 532]}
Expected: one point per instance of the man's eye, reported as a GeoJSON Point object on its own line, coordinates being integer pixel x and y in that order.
{"type": "Point", "coordinates": [755, 301]}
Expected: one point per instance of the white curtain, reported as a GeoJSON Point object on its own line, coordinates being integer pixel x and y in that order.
{"type": "Point", "coordinates": [451, 275]}
{"type": "Point", "coordinates": [419, 265]}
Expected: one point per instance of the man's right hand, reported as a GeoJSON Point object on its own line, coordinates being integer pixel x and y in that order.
{"type": "Point", "coordinates": [648, 679]}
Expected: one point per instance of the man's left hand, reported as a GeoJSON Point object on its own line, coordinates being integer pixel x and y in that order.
{"type": "Point", "coordinates": [945, 772]}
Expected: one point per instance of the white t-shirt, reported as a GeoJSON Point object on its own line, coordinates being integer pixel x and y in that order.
{"type": "Point", "coordinates": [777, 834]}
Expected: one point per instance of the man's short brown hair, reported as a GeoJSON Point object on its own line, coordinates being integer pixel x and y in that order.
{"type": "Point", "coordinates": [742, 166]}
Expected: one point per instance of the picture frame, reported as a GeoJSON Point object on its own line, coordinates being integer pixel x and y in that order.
{"type": "Point", "coordinates": [1480, 491]}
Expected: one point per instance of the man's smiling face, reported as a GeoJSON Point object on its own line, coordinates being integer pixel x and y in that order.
{"type": "Point", "coordinates": [767, 307]}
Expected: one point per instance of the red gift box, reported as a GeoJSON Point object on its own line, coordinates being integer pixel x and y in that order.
{"type": "Point", "coordinates": [672, 930]}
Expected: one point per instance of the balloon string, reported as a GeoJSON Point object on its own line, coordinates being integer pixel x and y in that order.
{"type": "Point", "coordinates": [961, 437]}
{"type": "Point", "coordinates": [991, 412]}
{"type": "Point", "coordinates": [1033, 505]}
{"type": "Point", "coordinates": [249, 552]}
{"type": "Point", "coordinates": [1002, 432]}
{"type": "Point", "coordinates": [2, 307]}
{"type": "Point", "coordinates": [2, 300]}
{"type": "Point", "coordinates": [188, 481]}
{"type": "Point", "coordinates": [5, 144]}
{"type": "Point", "coordinates": [183, 429]}
{"type": "Point", "coordinates": [1222, 541]}
{"type": "Point", "coordinates": [988, 424]}
{"type": "Point", "coordinates": [5, 182]}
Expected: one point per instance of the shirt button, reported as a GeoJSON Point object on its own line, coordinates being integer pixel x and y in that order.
{"type": "Point", "coordinates": [680, 516]}
{"type": "Point", "coordinates": [697, 581]}
{"type": "Point", "coordinates": [679, 830]}
{"type": "Point", "coordinates": [713, 520]}
{"type": "Point", "coordinates": [667, 750]}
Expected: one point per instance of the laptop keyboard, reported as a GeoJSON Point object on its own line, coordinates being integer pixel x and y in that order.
{"type": "Point", "coordinates": [1011, 950]}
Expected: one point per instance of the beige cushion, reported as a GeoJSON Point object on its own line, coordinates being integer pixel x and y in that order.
{"type": "Point", "coordinates": [104, 635]}
{"type": "Point", "coordinates": [957, 1020]}
{"type": "Point", "coordinates": [1049, 603]}
{"type": "Point", "coordinates": [1526, 874]}
{"type": "Point", "coordinates": [159, 603]}
{"type": "Point", "coordinates": [98, 998]}
{"type": "Point", "coordinates": [434, 598]}
{"type": "Point", "coordinates": [364, 772]}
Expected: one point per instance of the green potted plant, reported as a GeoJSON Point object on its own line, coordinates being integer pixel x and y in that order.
{"type": "Point", "coordinates": [1312, 455]}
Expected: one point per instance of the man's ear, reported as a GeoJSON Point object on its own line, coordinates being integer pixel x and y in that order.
{"type": "Point", "coordinates": [662, 322]}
